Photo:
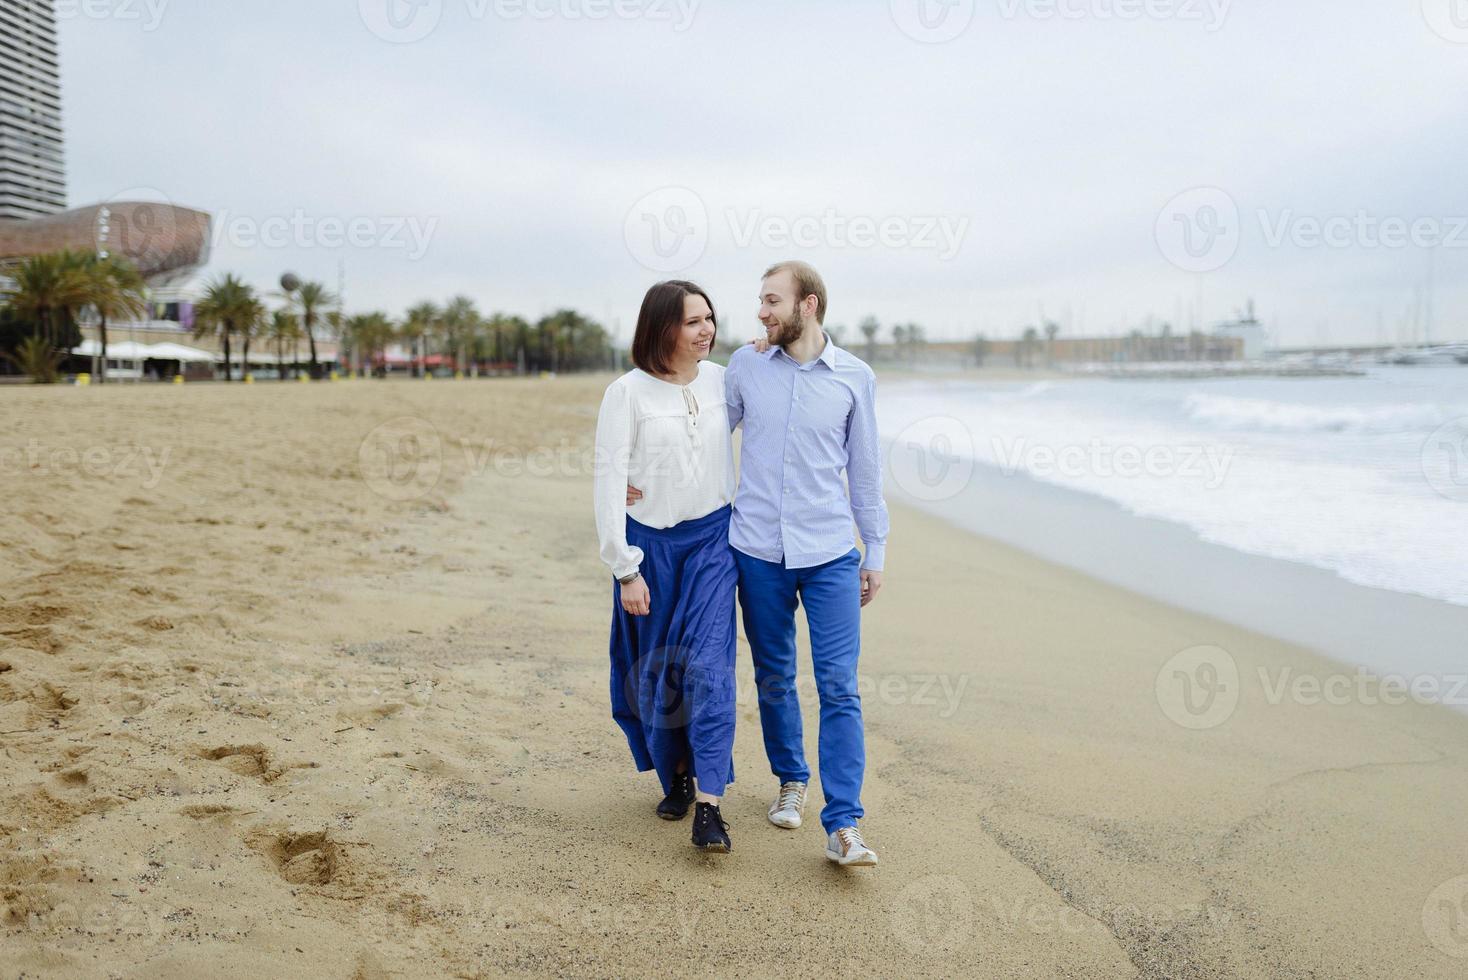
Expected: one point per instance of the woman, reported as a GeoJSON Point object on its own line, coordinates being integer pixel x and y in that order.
{"type": "Point", "coordinates": [663, 427]}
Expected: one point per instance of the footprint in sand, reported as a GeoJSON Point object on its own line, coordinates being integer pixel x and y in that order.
{"type": "Point", "coordinates": [301, 858]}
{"type": "Point", "coordinates": [251, 760]}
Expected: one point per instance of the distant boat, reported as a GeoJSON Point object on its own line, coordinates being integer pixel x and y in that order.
{"type": "Point", "coordinates": [1419, 357]}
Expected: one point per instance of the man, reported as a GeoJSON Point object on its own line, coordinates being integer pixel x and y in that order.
{"type": "Point", "coordinates": [808, 410]}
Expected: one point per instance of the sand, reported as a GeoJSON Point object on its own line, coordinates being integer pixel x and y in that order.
{"type": "Point", "coordinates": [272, 709]}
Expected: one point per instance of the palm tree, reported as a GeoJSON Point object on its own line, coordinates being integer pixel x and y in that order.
{"type": "Point", "coordinates": [459, 322]}
{"type": "Point", "coordinates": [419, 323]}
{"type": "Point", "coordinates": [869, 328]}
{"type": "Point", "coordinates": [283, 328]}
{"type": "Point", "coordinates": [48, 288]}
{"type": "Point", "coordinates": [312, 299]}
{"type": "Point", "coordinates": [116, 291]}
{"type": "Point", "coordinates": [368, 334]}
{"type": "Point", "coordinates": [228, 307]}
{"type": "Point", "coordinates": [36, 358]}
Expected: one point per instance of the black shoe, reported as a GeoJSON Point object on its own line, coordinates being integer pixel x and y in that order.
{"type": "Point", "coordinates": [675, 804]}
{"type": "Point", "coordinates": [710, 832]}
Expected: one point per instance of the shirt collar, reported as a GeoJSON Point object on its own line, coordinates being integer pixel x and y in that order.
{"type": "Point", "coordinates": [828, 353]}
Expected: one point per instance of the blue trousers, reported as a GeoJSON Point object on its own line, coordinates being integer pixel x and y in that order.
{"type": "Point", "coordinates": [672, 676]}
{"type": "Point", "coordinates": [768, 595]}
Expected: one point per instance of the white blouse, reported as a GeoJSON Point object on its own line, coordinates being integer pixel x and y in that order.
{"type": "Point", "coordinates": [669, 441]}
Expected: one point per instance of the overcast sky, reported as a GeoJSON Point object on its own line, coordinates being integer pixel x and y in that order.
{"type": "Point", "coordinates": [968, 166]}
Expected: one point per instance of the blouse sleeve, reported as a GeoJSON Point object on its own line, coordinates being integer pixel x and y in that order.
{"type": "Point", "coordinates": [615, 426]}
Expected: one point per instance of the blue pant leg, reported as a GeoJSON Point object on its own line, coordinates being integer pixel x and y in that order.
{"type": "Point", "coordinates": [832, 597]}
{"type": "Point", "coordinates": [767, 597]}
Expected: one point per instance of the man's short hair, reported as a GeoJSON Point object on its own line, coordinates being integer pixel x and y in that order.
{"type": "Point", "coordinates": [808, 282]}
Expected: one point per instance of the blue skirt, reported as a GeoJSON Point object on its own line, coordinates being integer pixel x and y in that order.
{"type": "Point", "coordinates": [673, 670]}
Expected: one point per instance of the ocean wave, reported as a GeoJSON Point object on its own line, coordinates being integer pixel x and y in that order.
{"type": "Point", "coordinates": [1262, 414]}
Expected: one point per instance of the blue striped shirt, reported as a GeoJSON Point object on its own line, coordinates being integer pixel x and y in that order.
{"type": "Point", "coordinates": [804, 425]}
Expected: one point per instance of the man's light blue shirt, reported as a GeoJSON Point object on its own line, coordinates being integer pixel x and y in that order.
{"type": "Point", "coordinates": [805, 425]}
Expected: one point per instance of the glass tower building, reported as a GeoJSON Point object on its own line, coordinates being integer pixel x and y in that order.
{"type": "Point", "coordinates": [32, 165]}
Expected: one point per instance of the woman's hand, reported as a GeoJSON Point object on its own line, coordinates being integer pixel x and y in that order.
{"type": "Point", "coordinates": [761, 344]}
{"type": "Point", "coordinates": [636, 599]}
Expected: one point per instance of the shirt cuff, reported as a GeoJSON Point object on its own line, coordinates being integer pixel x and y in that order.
{"type": "Point", "coordinates": [876, 557]}
{"type": "Point", "coordinates": [623, 572]}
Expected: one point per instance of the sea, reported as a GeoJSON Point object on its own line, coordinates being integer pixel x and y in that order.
{"type": "Point", "coordinates": [1363, 477]}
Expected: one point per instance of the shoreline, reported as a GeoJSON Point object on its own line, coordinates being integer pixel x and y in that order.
{"type": "Point", "coordinates": [1357, 625]}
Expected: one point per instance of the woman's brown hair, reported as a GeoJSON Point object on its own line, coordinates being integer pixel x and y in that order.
{"type": "Point", "coordinates": [659, 322]}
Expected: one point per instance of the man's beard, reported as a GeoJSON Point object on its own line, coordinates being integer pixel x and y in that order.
{"type": "Point", "coordinates": [789, 331]}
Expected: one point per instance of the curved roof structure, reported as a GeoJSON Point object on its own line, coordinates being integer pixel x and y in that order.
{"type": "Point", "coordinates": [166, 242]}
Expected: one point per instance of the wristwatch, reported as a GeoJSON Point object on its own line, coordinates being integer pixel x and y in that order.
{"type": "Point", "coordinates": [630, 578]}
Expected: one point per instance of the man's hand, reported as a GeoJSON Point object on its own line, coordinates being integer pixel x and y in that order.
{"type": "Point", "coordinates": [633, 495]}
{"type": "Point", "coordinates": [871, 584]}
{"type": "Point", "coordinates": [636, 599]}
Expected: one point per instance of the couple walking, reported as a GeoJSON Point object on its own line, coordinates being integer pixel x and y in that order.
{"type": "Point", "coordinates": [678, 538]}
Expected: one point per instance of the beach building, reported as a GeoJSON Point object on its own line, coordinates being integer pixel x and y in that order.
{"type": "Point", "coordinates": [32, 165]}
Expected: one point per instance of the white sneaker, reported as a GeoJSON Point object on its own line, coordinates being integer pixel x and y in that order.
{"type": "Point", "coordinates": [789, 806]}
{"type": "Point", "coordinates": [846, 848]}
